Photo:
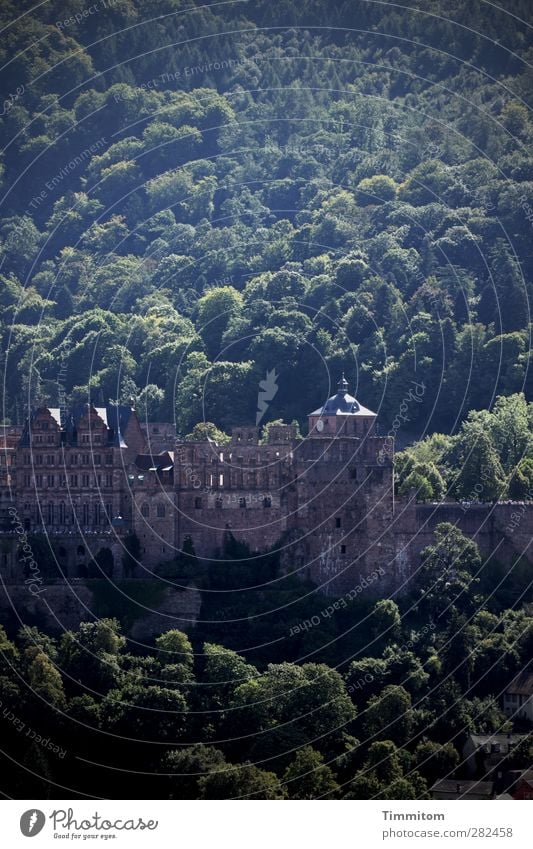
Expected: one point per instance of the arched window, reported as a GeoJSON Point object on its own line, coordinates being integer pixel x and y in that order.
{"type": "Point", "coordinates": [145, 510]}
{"type": "Point", "coordinates": [161, 511]}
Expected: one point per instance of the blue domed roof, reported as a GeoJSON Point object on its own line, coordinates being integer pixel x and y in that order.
{"type": "Point", "coordinates": [342, 404]}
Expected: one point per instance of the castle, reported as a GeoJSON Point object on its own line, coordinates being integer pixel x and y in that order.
{"type": "Point", "coordinates": [91, 480]}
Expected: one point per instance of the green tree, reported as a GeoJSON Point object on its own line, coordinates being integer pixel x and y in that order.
{"type": "Point", "coordinates": [224, 671]}
{"type": "Point", "coordinates": [445, 576]}
{"type": "Point", "coordinates": [175, 647]}
{"type": "Point", "coordinates": [435, 760]}
{"type": "Point", "coordinates": [390, 714]}
{"type": "Point", "coordinates": [521, 481]}
{"type": "Point", "coordinates": [376, 190]}
{"type": "Point", "coordinates": [245, 781]}
{"type": "Point", "coordinates": [215, 310]}
{"type": "Point", "coordinates": [307, 777]}
{"type": "Point", "coordinates": [186, 766]}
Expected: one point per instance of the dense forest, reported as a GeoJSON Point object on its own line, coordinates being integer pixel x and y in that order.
{"type": "Point", "coordinates": [190, 203]}
{"type": "Point", "coordinates": [195, 197]}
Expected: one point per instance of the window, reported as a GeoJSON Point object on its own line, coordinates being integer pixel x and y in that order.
{"type": "Point", "coordinates": [26, 458]}
{"type": "Point", "coordinates": [85, 459]}
{"type": "Point", "coordinates": [242, 502]}
{"type": "Point", "coordinates": [85, 512]}
{"type": "Point", "coordinates": [74, 480]}
{"type": "Point", "coordinates": [197, 503]}
{"type": "Point", "coordinates": [74, 459]}
{"type": "Point", "coordinates": [50, 460]}
{"type": "Point", "coordinates": [85, 438]}
{"type": "Point", "coordinates": [109, 511]}
{"type": "Point", "coordinates": [109, 459]}
{"type": "Point", "coordinates": [38, 438]}
{"type": "Point", "coordinates": [219, 501]}
{"type": "Point", "coordinates": [97, 439]}
{"type": "Point", "coordinates": [49, 480]}
{"type": "Point", "coordinates": [38, 480]}
{"type": "Point", "coordinates": [109, 480]}
{"type": "Point", "coordinates": [353, 474]}
{"type": "Point", "coordinates": [338, 522]}
{"type": "Point", "coordinates": [27, 480]}
{"type": "Point", "coordinates": [145, 510]}
{"type": "Point", "coordinates": [61, 513]}
{"type": "Point", "coordinates": [343, 549]}
{"type": "Point", "coordinates": [50, 438]}
{"type": "Point", "coordinates": [44, 425]}
{"type": "Point", "coordinates": [50, 514]}
{"type": "Point", "coordinates": [221, 480]}
{"type": "Point", "coordinates": [38, 459]}
{"type": "Point", "coordinates": [96, 513]}
{"type": "Point", "coordinates": [80, 551]}
{"type": "Point", "coordinates": [161, 511]}
{"type": "Point", "coordinates": [267, 501]}
{"type": "Point", "coordinates": [85, 481]}
{"type": "Point", "coordinates": [97, 459]}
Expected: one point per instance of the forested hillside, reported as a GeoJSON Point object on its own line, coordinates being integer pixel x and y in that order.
{"type": "Point", "coordinates": [378, 705]}
{"type": "Point", "coordinates": [192, 202]}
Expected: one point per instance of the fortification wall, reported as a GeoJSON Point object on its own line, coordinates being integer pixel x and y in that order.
{"type": "Point", "coordinates": [61, 606]}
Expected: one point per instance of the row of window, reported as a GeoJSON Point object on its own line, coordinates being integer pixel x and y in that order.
{"type": "Point", "coordinates": [85, 481]}
{"type": "Point", "coordinates": [71, 459]}
{"type": "Point", "coordinates": [62, 514]}
{"type": "Point", "coordinates": [53, 438]}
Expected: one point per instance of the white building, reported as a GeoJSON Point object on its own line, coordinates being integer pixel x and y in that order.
{"type": "Point", "coordinates": [518, 697]}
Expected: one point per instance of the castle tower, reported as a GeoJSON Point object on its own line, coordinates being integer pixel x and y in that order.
{"type": "Point", "coordinates": [342, 415]}
{"type": "Point", "coordinates": [345, 496]}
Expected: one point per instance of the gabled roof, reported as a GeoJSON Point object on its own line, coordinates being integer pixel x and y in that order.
{"type": "Point", "coordinates": [504, 740]}
{"type": "Point", "coordinates": [522, 685]}
{"type": "Point", "coordinates": [115, 417]}
{"type": "Point", "coordinates": [460, 787]}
